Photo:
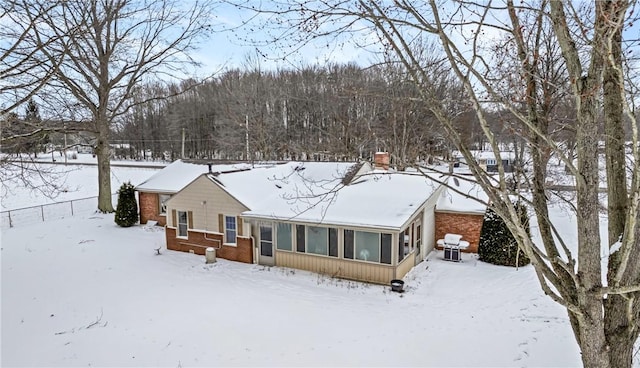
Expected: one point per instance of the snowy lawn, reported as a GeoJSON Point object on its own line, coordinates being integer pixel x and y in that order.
{"type": "Point", "coordinates": [75, 182]}
{"type": "Point", "coordinates": [83, 292]}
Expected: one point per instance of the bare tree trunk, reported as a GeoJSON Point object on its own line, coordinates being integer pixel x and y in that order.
{"type": "Point", "coordinates": [103, 154]}
{"type": "Point", "coordinates": [618, 322]}
{"type": "Point", "coordinates": [614, 142]}
{"type": "Point", "coordinates": [592, 337]}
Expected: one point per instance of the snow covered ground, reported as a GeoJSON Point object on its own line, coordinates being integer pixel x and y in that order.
{"type": "Point", "coordinates": [82, 291]}
{"type": "Point", "coordinates": [75, 182]}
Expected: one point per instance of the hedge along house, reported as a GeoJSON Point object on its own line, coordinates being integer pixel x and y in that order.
{"type": "Point", "coordinates": [342, 219]}
{"type": "Point", "coordinates": [461, 211]}
{"type": "Point", "coordinates": [155, 191]}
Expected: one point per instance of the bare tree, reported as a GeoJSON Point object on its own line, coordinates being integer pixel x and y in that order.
{"type": "Point", "coordinates": [108, 47]}
{"type": "Point", "coordinates": [24, 68]}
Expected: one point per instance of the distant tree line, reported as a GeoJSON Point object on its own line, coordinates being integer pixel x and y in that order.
{"type": "Point", "coordinates": [336, 112]}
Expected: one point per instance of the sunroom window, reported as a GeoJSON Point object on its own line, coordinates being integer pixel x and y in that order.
{"type": "Point", "coordinates": [322, 241]}
{"type": "Point", "coordinates": [283, 237]}
{"type": "Point", "coordinates": [367, 246]}
{"type": "Point", "coordinates": [317, 240]}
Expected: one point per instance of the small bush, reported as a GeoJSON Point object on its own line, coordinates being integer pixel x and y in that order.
{"type": "Point", "coordinates": [127, 209]}
{"type": "Point", "coordinates": [497, 244]}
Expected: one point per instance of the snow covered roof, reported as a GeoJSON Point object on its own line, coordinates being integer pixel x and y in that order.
{"type": "Point", "coordinates": [455, 201]}
{"type": "Point", "coordinates": [314, 192]}
{"type": "Point", "coordinates": [487, 155]}
{"type": "Point", "coordinates": [178, 174]}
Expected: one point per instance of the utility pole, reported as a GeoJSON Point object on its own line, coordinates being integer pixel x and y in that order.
{"type": "Point", "coordinates": [183, 137]}
{"type": "Point", "coordinates": [65, 145]}
{"type": "Point", "coordinates": [246, 136]}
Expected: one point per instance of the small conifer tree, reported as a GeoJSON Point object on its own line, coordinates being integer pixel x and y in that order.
{"type": "Point", "coordinates": [127, 209]}
{"type": "Point", "coordinates": [497, 244]}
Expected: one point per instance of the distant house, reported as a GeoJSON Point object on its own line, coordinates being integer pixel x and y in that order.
{"type": "Point", "coordinates": [348, 220]}
{"type": "Point", "coordinates": [488, 161]}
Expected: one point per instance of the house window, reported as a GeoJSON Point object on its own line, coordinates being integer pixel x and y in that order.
{"type": "Point", "coordinates": [162, 201]}
{"type": "Point", "coordinates": [348, 244]}
{"type": "Point", "coordinates": [317, 240]}
{"type": "Point", "coordinates": [385, 248]}
{"type": "Point", "coordinates": [284, 237]}
{"type": "Point", "coordinates": [367, 246]}
{"type": "Point", "coordinates": [406, 235]}
{"type": "Point", "coordinates": [300, 245]}
{"type": "Point", "coordinates": [333, 242]}
{"type": "Point", "coordinates": [182, 224]}
{"type": "Point", "coordinates": [322, 241]}
{"type": "Point", "coordinates": [230, 229]}
{"type": "Point", "coordinates": [418, 238]}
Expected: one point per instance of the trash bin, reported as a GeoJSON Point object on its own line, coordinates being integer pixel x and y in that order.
{"type": "Point", "coordinates": [210, 255]}
{"type": "Point", "coordinates": [397, 286]}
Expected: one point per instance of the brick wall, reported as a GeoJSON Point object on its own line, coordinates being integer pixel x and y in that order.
{"type": "Point", "coordinates": [242, 252]}
{"type": "Point", "coordinates": [150, 208]}
{"type": "Point", "coordinates": [469, 226]}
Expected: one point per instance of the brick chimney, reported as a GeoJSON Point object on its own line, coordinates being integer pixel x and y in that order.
{"type": "Point", "coordinates": [381, 160]}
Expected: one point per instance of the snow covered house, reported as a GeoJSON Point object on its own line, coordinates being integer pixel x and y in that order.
{"type": "Point", "coordinates": [154, 192]}
{"type": "Point", "coordinates": [488, 161]}
{"type": "Point", "coordinates": [348, 220]}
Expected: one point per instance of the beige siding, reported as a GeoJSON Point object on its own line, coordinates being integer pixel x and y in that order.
{"type": "Point", "coordinates": [428, 231]}
{"type": "Point", "coordinates": [429, 222]}
{"type": "Point", "coordinates": [207, 200]}
{"type": "Point", "coordinates": [335, 267]}
{"type": "Point", "coordinates": [406, 265]}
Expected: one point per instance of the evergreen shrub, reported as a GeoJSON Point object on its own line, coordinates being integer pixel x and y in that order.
{"type": "Point", "coordinates": [127, 209]}
{"type": "Point", "coordinates": [497, 244]}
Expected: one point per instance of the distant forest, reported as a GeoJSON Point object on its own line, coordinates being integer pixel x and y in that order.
{"type": "Point", "coordinates": [335, 113]}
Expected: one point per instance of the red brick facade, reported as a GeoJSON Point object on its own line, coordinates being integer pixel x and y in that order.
{"type": "Point", "coordinates": [196, 242]}
{"type": "Point", "coordinates": [467, 225]}
{"type": "Point", "coordinates": [149, 208]}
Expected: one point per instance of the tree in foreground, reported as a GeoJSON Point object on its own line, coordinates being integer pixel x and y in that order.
{"type": "Point", "coordinates": [497, 245]}
{"type": "Point", "coordinates": [473, 39]}
{"type": "Point", "coordinates": [127, 208]}
{"type": "Point", "coordinates": [103, 50]}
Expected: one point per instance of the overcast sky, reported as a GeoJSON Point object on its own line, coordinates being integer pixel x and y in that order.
{"type": "Point", "coordinates": [232, 47]}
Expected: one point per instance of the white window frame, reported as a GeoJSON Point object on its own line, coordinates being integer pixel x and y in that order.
{"type": "Point", "coordinates": [186, 224]}
{"type": "Point", "coordinates": [226, 230]}
{"type": "Point", "coordinates": [162, 206]}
